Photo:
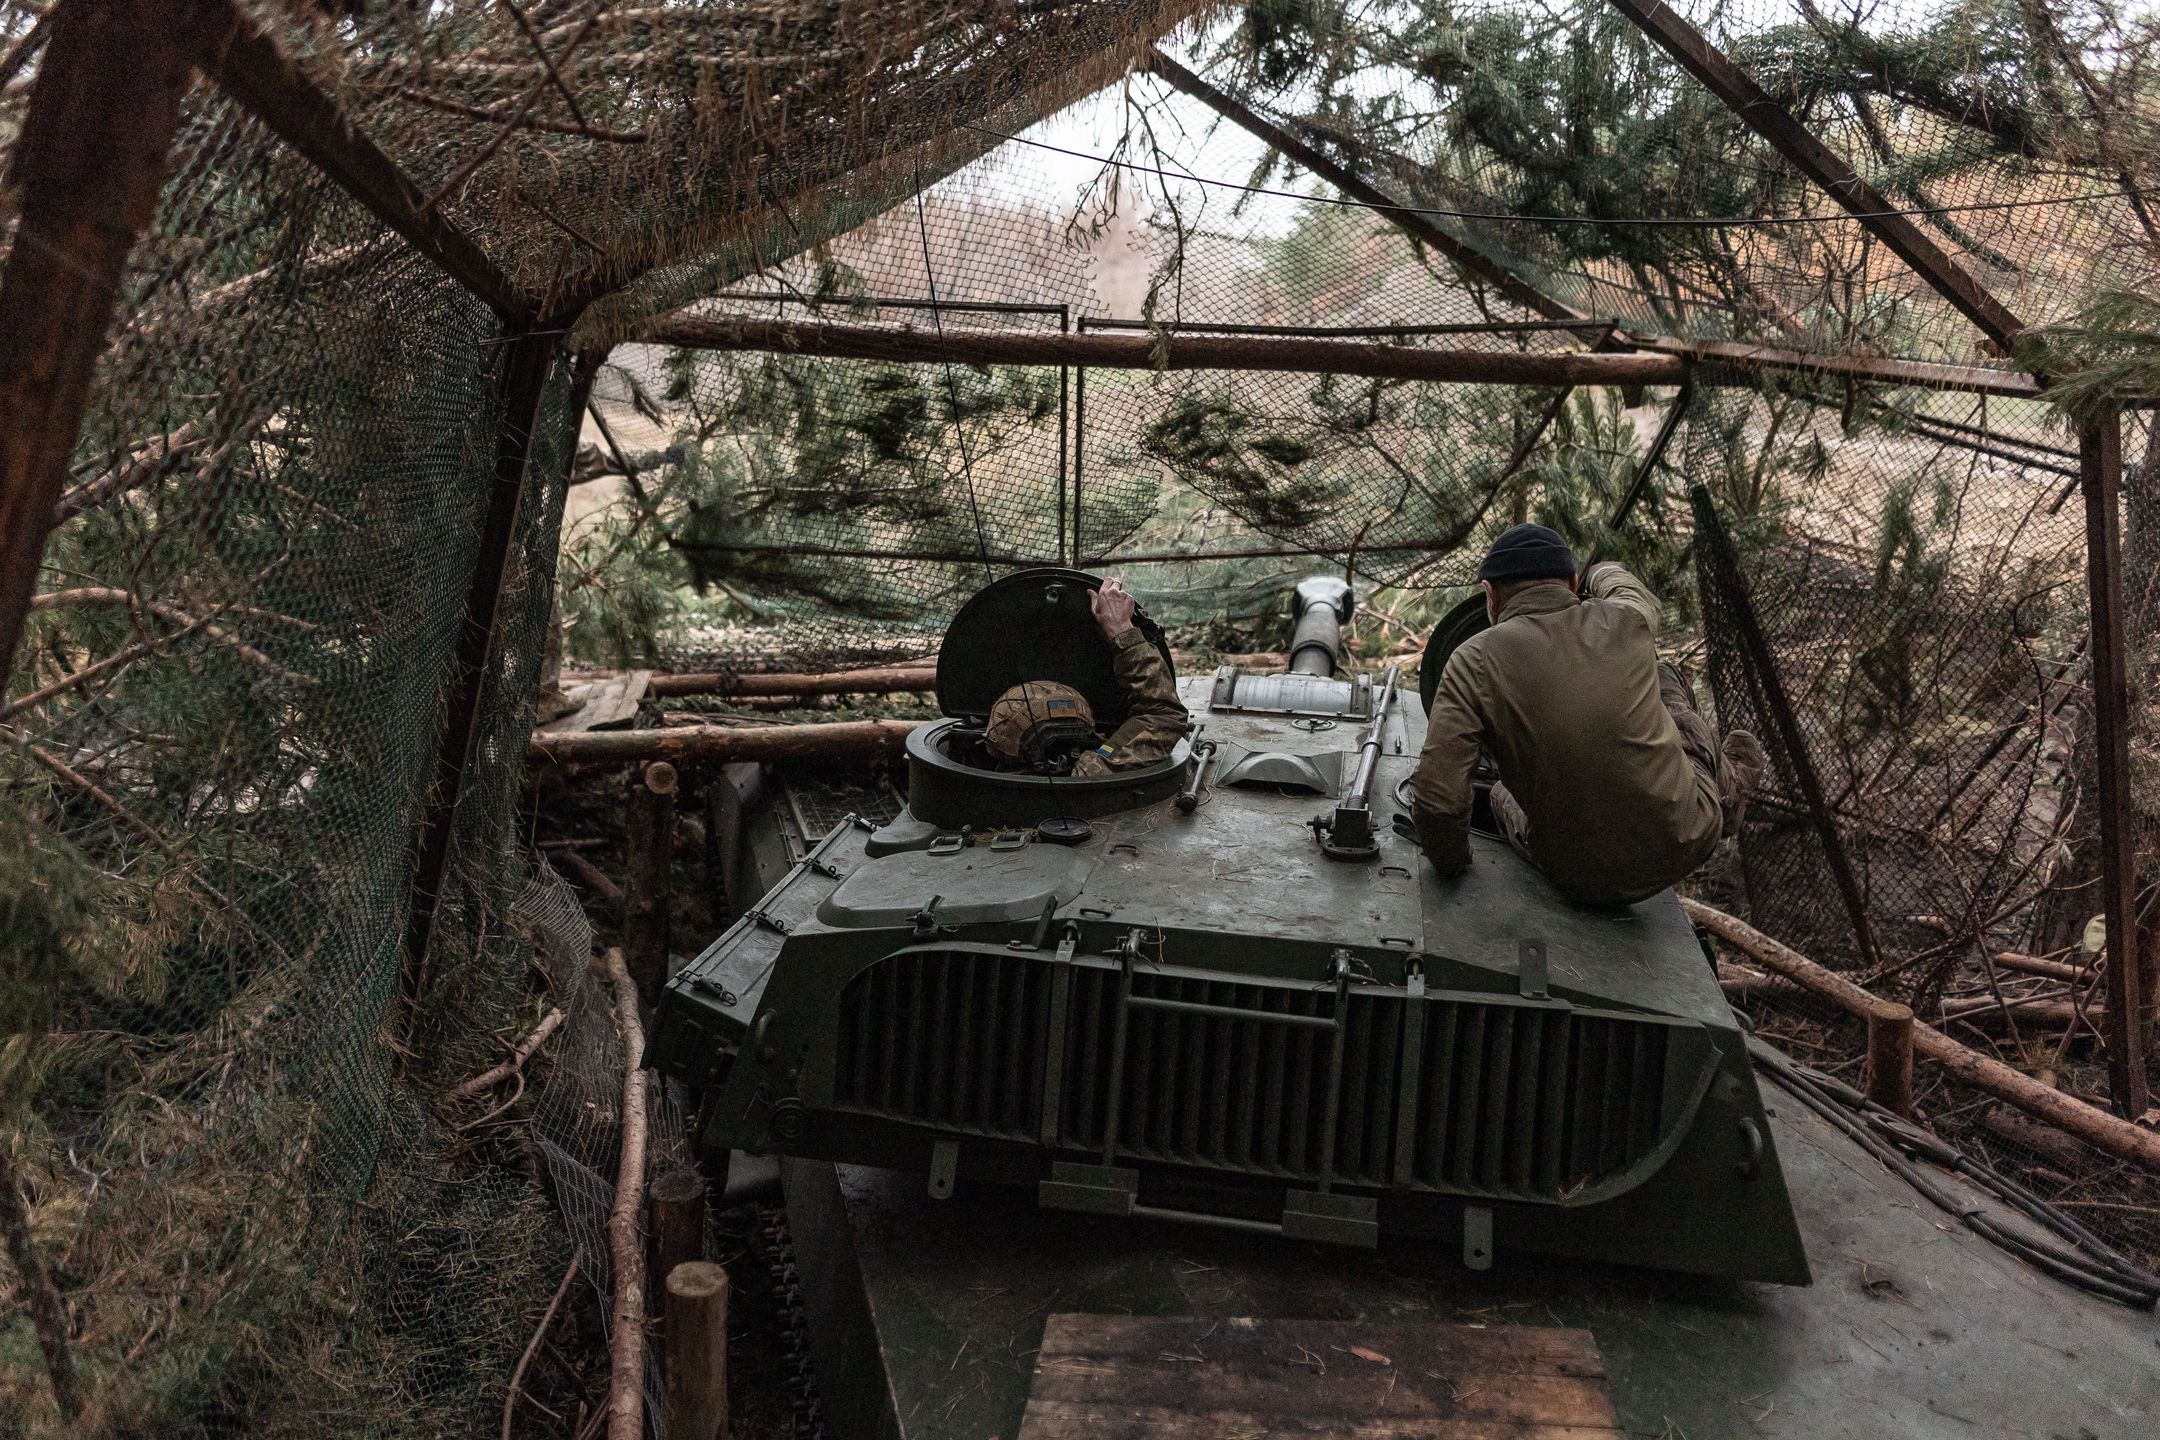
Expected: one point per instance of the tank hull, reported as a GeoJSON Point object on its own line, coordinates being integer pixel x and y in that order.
{"type": "Point", "coordinates": [1196, 1014]}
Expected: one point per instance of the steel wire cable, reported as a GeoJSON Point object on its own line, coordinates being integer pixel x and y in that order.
{"type": "Point", "coordinates": [2084, 1260]}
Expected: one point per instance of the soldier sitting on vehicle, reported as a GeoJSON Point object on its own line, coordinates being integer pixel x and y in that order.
{"type": "Point", "coordinates": [1610, 782]}
{"type": "Point", "coordinates": [1043, 726]}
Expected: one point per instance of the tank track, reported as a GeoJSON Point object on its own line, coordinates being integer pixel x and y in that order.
{"type": "Point", "coordinates": [777, 1252]}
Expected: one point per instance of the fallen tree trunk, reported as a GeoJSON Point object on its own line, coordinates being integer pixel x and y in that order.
{"type": "Point", "coordinates": [876, 680]}
{"type": "Point", "coordinates": [716, 744]}
{"type": "Point", "coordinates": [2096, 1127]}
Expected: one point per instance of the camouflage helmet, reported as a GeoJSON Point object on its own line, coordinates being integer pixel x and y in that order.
{"type": "Point", "coordinates": [1036, 719]}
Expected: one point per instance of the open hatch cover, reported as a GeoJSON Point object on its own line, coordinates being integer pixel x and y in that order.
{"type": "Point", "coordinates": [1034, 625]}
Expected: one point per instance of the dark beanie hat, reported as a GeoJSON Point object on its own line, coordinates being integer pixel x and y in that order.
{"type": "Point", "coordinates": [1527, 552]}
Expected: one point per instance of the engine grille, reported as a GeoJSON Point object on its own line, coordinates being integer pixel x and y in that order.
{"type": "Point", "coordinates": [1505, 1098]}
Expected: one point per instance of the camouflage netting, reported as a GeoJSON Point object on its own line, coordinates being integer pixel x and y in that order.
{"type": "Point", "coordinates": [224, 1082]}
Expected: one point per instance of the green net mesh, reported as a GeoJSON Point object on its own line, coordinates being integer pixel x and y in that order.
{"type": "Point", "coordinates": [224, 1083]}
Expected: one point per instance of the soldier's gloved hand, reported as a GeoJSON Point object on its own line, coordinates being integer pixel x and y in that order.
{"type": "Point", "coordinates": [1113, 607]}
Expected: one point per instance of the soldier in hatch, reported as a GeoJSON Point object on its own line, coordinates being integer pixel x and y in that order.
{"type": "Point", "coordinates": [1610, 782]}
{"type": "Point", "coordinates": [1036, 725]}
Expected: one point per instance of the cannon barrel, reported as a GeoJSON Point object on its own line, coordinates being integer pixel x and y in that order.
{"type": "Point", "coordinates": [1322, 605]}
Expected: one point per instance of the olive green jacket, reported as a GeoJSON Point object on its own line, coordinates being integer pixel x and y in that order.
{"type": "Point", "coordinates": [1564, 694]}
{"type": "Point", "coordinates": [1154, 716]}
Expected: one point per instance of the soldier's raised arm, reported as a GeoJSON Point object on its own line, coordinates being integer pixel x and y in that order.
{"type": "Point", "coordinates": [1154, 716]}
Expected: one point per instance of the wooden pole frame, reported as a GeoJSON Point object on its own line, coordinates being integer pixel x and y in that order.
{"type": "Point", "coordinates": [1716, 549]}
{"type": "Point", "coordinates": [2100, 466]}
{"type": "Point", "coordinates": [87, 169]}
{"type": "Point", "coordinates": [1168, 351]}
{"type": "Point", "coordinates": [527, 359]}
{"type": "Point", "coordinates": [1741, 355]}
{"type": "Point", "coordinates": [1753, 107]}
{"type": "Point", "coordinates": [263, 80]}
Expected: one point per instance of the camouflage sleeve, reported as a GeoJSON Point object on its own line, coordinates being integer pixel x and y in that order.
{"type": "Point", "coordinates": [1154, 716]}
{"type": "Point", "coordinates": [1441, 790]}
{"type": "Point", "coordinates": [1610, 582]}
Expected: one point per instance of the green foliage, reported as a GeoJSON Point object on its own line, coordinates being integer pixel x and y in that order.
{"type": "Point", "coordinates": [1258, 470]}
{"type": "Point", "coordinates": [2106, 354]}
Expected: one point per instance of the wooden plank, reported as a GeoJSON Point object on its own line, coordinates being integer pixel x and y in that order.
{"type": "Point", "coordinates": [270, 86]}
{"type": "Point", "coordinates": [608, 703]}
{"type": "Point", "coordinates": [1127, 1375]}
{"type": "Point", "coordinates": [1173, 351]}
{"type": "Point", "coordinates": [85, 174]}
{"type": "Point", "coordinates": [1503, 1349]}
{"type": "Point", "coordinates": [1755, 108]}
{"type": "Point", "coordinates": [1065, 1420]}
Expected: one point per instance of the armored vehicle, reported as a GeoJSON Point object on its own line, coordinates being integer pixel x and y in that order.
{"type": "Point", "coordinates": [1224, 988]}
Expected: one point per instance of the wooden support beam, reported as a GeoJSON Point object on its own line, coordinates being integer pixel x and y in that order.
{"type": "Point", "coordinates": [1888, 1076]}
{"type": "Point", "coordinates": [519, 386]}
{"type": "Point", "coordinates": [694, 1352]}
{"type": "Point", "coordinates": [84, 176]}
{"type": "Point", "coordinates": [1754, 107]}
{"type": "Point", "coordinates": [1411, 221]}
{"type": "Point", "coordinates": [675, 1204]}
{"type": "Point", "coordinates": [649, 843]}
{"type": "Point", "coordinates": [264, 81]}
{"type": "Point", "coordinates": [722, 744]}
{"type": "Point", "coordinates": [1170, 351]}
{"type": "Point", "coordinates": [1716, 549]}
{"type": "Point", "coordinates": [2100, 466]}
{"type": "Point", "coordinates": [1651, 459]}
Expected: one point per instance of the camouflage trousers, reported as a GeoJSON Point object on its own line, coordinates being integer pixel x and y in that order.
{"type": "Point", "coordinates": [1734, 764]}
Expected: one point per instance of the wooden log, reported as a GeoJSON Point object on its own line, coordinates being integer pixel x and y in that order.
{"type": "Point", "coordinates": [2036, 1012]}
{"type": "Point", "coordinates": [1168, 351]}
{"type": "Point", "coordinates": [876, 680]}
{"type": "Point", "coordinates": [2052, 1146]}
{"type": "Point", "coordinates": [675, 1218]}
{"type": "Point", "coordinates": [694, 1352]}
{"type": "Point", "coordinates": [1888, 1076]}
{"type": "Point", "coordinates": [718, 744]}
{"type": "Point", "coordinates": [2096, 1127]}
{"type": "Point", "coordinates": [649, 835]}
{"type": "Point", "coordinates": [626, 1251]}
{"type": "Point", "coordinates": [2037, 965]}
